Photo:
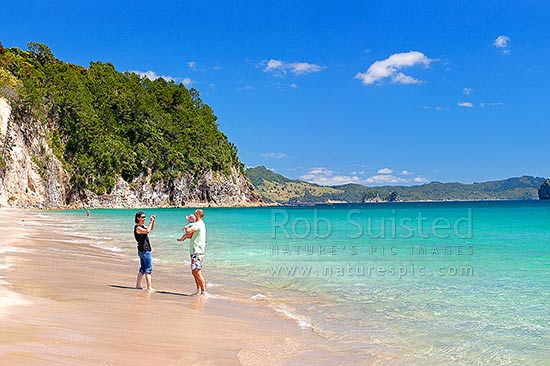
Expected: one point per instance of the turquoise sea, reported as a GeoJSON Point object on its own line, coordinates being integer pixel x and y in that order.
{"type": "Point", "coordinates": [450, 283]}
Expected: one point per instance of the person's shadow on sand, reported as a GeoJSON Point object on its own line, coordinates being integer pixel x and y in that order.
{"type": "Point", "coordinates": [156, 291]}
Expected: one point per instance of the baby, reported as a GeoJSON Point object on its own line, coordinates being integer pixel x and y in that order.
{"type": "Point", "coordinates": [190, 220]}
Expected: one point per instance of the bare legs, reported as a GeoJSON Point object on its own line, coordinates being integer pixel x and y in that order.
{"type": "Point", "coordinates": [196, 283]}
{"type": "Point", "coordinates": [138, 281]}
{"type": "Point", "coordinates": [148, 281]}
{"type": "Point", "coordinates": [145, 268]}
{"type": "Point", "coordinates": [199, 281]}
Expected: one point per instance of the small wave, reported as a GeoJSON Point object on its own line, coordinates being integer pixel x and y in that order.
{"type": "Point", "coordinates": [208, 295]}
{"type": "Point", "coordinates": [287, 312]}
{"type": "Point", "coordinates": [63, 225]}
{"type": "Point", "coordinates": [210, 284]}
{"type": "Point", "coordinates": [104, 246]}
{"type": "Point", "coordinates": [33, 223]}
{"type": "Point", "coordinates": [258, 297]}
{"type": "Point", "coordinates": [91, 236]}
{"type": "Point", "coordinates": [83, 240]}
{"type": "Point", "coordinates": [111, 249]}
{"type": "Point", "coordinates": [69, 241]}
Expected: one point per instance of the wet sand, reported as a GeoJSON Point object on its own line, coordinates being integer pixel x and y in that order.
{"type": "Point", "coordinates": [63, 304]}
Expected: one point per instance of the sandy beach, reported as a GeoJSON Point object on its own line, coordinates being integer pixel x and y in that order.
{"type": "Point", "coordinates": [62, 304]}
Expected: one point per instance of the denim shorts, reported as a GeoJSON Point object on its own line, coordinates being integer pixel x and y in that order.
{"type": "Point", "coordinates": [146, 262]}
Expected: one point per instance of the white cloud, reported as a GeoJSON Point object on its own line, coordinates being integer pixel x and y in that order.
{"type": "Point", "coordinates": [245, 88]}
{"type": "Point", "coordinates": [390, 68]}
{"type": "Point", "coordinates": [493, 104]}
{"type": "Point", "coordinates": [385, 171]}
{"type": "Point", "coordinates": [322, 171]}
{"type": "Point", "coordinates": [433, 108]}
{"type": "Point", "coordinates": [192, 65]}
{"type": "Point", "coordinates": [326, 177]}
{"type": "Point", "coordinates": [151, 75]}
{"type": "Point", "coordinates": [279, 68]}
{"type": "Point", "coordinates": [273, 65]}
{"type": "Point", "coordinates": [385, 179]}
{"type": "Point", "coordinates": [272, 155]}
{"type": "Point", "coordinates": [300, 68]}
{"type": "Point", "coordinates": [467, 91]}
{"type": "Point", "coordinates": [465, 104]}
{"type": "Point", "coordinates": [401, 78]}
{"type": "Point", "coordinates": [502, 44]}
{"type": "Point", "coordinates": [294, 86]}
{"type": "Point", "coordinates": [382, 179]}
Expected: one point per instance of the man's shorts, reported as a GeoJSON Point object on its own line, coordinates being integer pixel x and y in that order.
{"type": "Point", "coordinates": [145, 262]}
{"type": "Point", "coordinates": [196, 261]}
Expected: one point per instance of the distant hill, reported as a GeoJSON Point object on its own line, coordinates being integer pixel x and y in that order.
{"type": "Point", "coordinates": [260, 174]}
{"type": "Point", "coordinates": [277, 188]}
{"type": "Point", "coordinates": [274, 187]}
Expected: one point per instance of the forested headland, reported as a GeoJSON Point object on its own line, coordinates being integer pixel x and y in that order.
{"type": "Point", "coordinates": [104, 125]}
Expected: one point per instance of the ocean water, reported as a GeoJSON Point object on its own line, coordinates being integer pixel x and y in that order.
{"type": "Point", "coordinates": [451, 283]}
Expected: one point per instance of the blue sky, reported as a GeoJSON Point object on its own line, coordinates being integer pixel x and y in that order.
{"type": "Point", "coordinates": [371, 92]}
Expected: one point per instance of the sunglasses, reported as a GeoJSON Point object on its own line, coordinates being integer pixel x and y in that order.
{"type": "Point", "coordinates": [142, 216]}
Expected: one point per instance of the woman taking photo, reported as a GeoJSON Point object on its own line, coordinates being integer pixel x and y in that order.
{"type": "Point", "coordinates": [141, 234]}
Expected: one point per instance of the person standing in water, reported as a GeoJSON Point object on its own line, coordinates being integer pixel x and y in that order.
{"type": "Point", "coordinates": [141, 234]}
{"type": "Point", "coordinates": [197, 246]}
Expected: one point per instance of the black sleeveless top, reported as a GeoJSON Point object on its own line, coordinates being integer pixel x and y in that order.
{"type": "Point", "coordinates": [142, 239]}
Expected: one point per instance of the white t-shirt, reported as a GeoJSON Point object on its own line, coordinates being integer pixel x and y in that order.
{"type": "Point", "coordinates": [197, 244]}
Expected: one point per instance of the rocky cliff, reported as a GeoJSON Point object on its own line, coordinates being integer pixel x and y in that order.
{"type": "Point", "coordinates": [544, 190]}
{"type": "Point", "coordinates": [32, 176]}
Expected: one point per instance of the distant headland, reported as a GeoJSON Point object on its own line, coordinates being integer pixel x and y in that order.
{"type": "Point", "coordinates": [277, 188]}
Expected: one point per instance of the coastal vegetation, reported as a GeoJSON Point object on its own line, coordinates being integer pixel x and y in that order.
{"type": "Point", "coordinates": [103, 124]}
